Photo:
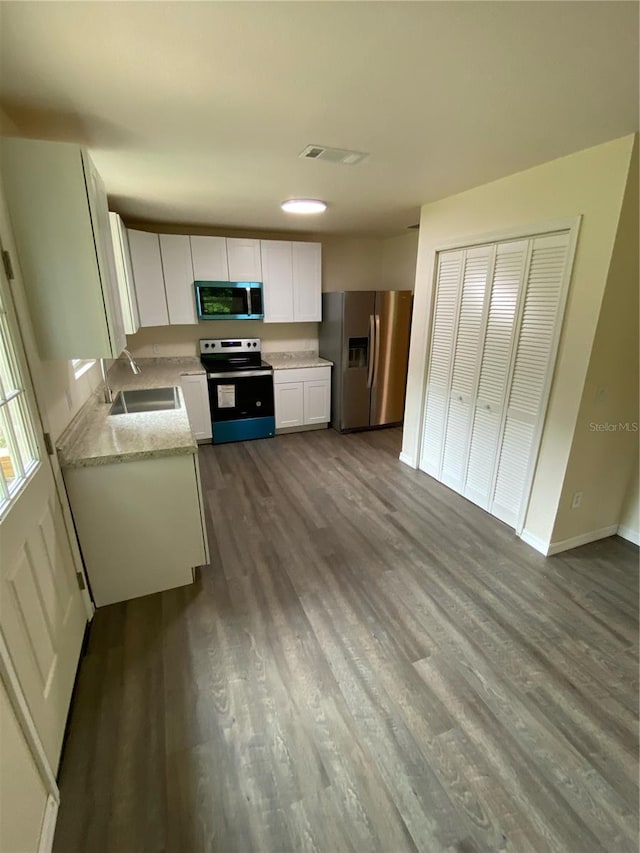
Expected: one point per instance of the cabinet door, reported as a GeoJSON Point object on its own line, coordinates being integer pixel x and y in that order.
{"type": "Point", "coordinates": [124, 275]}
{"type": "Point", "coordinates": [196, 398]}
{"type": "Point", "coordinates": [209, 255]}
{"type": "Point", "coordinates": [243, 257]}
{"type": "Point", "coordinates": [99, 210]}
{"type": "Point", "coordinates": [317, 402]}
{"type": "Point", "coordinates": [307, 282]}
{"type": "Point", "coordinates": [148, 278]}
{"type": "Point", "coordinates": [175, 251]}
{"type": "Point", "coordinates": [277, 281]}
{"type": "Point", "coordinates": [289, 404]}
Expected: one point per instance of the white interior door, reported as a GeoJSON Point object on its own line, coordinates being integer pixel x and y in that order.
{"type": "Point", "coordinates": [506, 288]}
{"type": "Point", "coordinates": [42, 616]}
{"type": "Point", "coordinates": [445, 313]}
{"type": "Point", "coordinates": [476, 278]}
{"type": "Point", "coordinates": [532, 367]}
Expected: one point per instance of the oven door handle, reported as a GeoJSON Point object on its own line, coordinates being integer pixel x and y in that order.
{"type": "Point", "coordinates": [239, 374]}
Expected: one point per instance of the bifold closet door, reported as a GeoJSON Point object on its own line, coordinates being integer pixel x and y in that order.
{"type": "Point", "coordinates": [532, 367]}
{"type": "Point", "coordinates": [497, 314]}
{"type": "Point", "coordinates": [476, 278]}
{"type": "Point", "coordinates": [495, 363]}
{"type": "Point", "coordinates": [445, 313]}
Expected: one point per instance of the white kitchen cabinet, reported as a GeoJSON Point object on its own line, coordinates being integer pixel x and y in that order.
{"type": "Point", "coordinates": [289, 404]}
{"type": "Point", "coordinates": [60, 221]}
{"type": "Point", "coordinates": [317, 402]}
{"type": "Point", "coordinates": [196, 398]}
{"type": "Point", "coordinates": [209, 255]}
{"type": "Point", "coordinates": [292, 281]}
{"type": "Point", "coordinates": [277, 281]}
{"type": "Point", "coordinates": [302, 397]}
{"type": "Point", "coordinates": [307, 282]}
{"type": "Point", "coordinates": [177, 268]}
{"type": "Point", "coordinates": [139, 523]}
{"type": "Point", "coordinates": [243, 258]}
{"type": "Point", "coordinates": [146, 263]}
{"type": "Point", "coordinates": [124, 275]}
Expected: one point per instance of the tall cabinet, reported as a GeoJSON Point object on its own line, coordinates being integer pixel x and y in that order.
{"type": "Point", "coordinates": [496, 321]}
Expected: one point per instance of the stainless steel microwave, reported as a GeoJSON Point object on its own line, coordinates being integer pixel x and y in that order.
{"type": "Point", "coordinates": [229, 300]}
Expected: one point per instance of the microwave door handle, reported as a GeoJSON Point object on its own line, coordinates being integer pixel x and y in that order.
{"type": "Point", "coordinates": [249, 305]}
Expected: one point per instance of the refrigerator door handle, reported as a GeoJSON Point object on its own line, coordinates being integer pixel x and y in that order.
{"type": "Point", "coordinates": [372, 338]}
{"type": "Point", "coordinates": [377, 352]}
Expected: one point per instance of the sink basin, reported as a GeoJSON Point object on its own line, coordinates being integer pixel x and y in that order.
{"type": "Point", "coordinates": [145, 400]}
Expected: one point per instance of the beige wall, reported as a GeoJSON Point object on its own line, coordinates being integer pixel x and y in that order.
{"type": "Point", "coordinates": [630, 516]}
{"type": "Point", "coordinates": [398, 267]}
{"type": "Point", "coordinates": [183, 340]}
{"type": "Point", "coordinates": [589, 183]}
{"type": "Point", "coordinates": [600, 461]}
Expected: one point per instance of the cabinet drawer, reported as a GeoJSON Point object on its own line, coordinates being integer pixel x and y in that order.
{"type": "Point", "coordinates": [301, 374]}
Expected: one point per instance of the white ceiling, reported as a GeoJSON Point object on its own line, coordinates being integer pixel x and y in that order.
{"type": "Point", "coordinates": [195, 112]}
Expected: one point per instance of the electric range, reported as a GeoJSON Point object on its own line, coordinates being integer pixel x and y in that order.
{"type": "Point", "coordinates": [240, 387]}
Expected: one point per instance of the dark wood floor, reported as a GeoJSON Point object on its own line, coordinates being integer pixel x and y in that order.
{"type": "Point", "coordinates": [370, 663]}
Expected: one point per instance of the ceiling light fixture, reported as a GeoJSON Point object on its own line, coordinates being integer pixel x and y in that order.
{"type": "Point", "coordinates": [304, 205]}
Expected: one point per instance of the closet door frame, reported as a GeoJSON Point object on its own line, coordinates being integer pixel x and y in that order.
{"type": "Point", "coordinates": [523, 232]}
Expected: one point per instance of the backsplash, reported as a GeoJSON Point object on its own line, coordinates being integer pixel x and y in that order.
{"type": "Point", "coordinates": [183, 340]}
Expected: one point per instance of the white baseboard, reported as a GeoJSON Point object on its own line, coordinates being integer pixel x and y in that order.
{"type": "Point", "coordinates": [535, 542]}
{"type": "Point", "coordinates": [629, 534]}
{"type": "Point", "coordinates": [48, 825]}
{"type": "Point", "coordinates": [408, 460]}
{"type": "Point", "coordinates": [583, 539]}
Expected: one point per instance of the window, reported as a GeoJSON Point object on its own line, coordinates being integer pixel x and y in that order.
{"type": "Point", "coordinates": [18, 448]}
{"type": "Point", "coordinates": [81, 365]}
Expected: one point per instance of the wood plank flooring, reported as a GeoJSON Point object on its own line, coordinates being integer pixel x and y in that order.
{"type": "Point", "coordinates": [370, 663]}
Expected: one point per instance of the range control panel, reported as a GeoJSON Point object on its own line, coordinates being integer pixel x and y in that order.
{"type": "Point", "coordinates": [228, 346]}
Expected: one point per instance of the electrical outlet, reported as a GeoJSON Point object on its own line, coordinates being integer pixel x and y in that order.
{"type": "Point", "coordinates": [576, 502]}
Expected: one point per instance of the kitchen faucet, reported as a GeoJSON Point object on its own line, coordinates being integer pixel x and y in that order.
{"type": "Point", "coordinates": [133, 364]}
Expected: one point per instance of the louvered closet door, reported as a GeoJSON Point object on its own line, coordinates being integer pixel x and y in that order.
{"type": "Point", "coordinates": [531, 374]}
{"type": "Point", "coordinates": [506, 286]}
{"type": "Point", "coordinates": [478, 265]}
{"type": "Point", "coordinates": [445, 313]}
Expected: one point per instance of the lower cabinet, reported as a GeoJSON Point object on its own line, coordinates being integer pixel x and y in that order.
{"type": "Point", "coordinates": [196, 398]}
{"type": "Point", "coordinates": [140, 524]}
{"type": "Point", "coordinates": [302, 397]}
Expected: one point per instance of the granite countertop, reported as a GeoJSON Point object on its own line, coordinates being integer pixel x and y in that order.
{"type": "Point", "coordinates": [96, 438]}
{"type": "Point", "coordinates": [291, 360]}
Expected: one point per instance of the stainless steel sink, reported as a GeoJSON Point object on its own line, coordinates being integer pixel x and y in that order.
{"type": "Point", "coordinates": [145, 400]}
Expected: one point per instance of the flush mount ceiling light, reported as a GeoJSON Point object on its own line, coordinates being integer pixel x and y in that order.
{"type": "Point", "coordinates": [304, 205]}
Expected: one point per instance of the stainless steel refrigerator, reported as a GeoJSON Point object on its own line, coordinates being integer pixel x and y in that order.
{"type": "Point", "coordinates": [366, 335]}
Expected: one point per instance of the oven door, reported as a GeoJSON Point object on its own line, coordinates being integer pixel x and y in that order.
{"type": "Point", "coordinates": [241, 404]}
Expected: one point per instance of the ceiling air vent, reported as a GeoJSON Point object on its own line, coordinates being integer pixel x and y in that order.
{"type": "Point", "coordinates": [333, 155]}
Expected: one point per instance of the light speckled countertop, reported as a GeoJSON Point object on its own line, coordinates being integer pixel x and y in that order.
{"type": "Point", "coordinates": [291, 360]}
{"type": "Point", "coordinates": [96, 438]}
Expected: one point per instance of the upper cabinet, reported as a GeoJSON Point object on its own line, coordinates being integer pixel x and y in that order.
{"type": "Point", "coordinates": [124, 275]}
{"type": "Point", "coordinates": [148, 278]}
{"type": "Point", "coordinates": [292, 281]}
{"type": "Point", "coordinates": [244, 259]}
{"type": "Point", "coordinates": [226, 259]}
{"type": "Point", "coordinates": [177, 267]}
{"type": "Point", "coordinates": [165, 267]}
{"type": "Point", "coordinates": [209, 256]}
{"type": "Point", "coordinates": [163, 276]}
{"type": "Point", "coordinates": [60, 220]}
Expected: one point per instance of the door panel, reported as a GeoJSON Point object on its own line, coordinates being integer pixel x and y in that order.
{"type": "Point", "coordinates": [41, 613]}
{"type": "Point", "coordinates": [393, 308]}
{"type": "Point", "coordinates": [23, 793]}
